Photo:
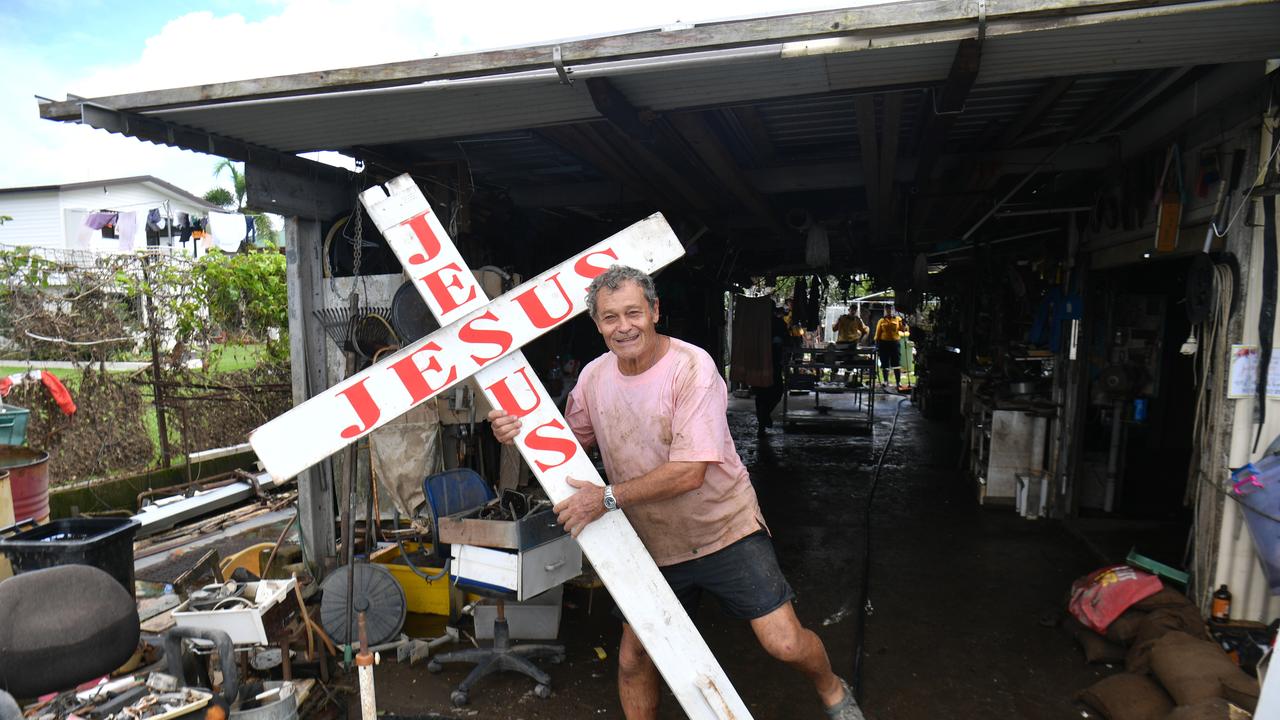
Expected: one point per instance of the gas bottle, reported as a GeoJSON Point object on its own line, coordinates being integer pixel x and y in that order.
{"type": "Point", "coordinates": [1220, 608]}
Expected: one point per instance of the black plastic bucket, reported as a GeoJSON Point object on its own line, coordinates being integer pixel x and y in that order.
{"type": "Point", "coordinates": [104, 543]}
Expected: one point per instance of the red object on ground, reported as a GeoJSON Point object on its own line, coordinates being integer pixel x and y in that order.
{"type": "Point", "coordinates": [1103, 595]}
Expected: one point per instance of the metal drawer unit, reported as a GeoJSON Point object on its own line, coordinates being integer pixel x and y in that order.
{"type": "Point", "coordinates": [525, 572]}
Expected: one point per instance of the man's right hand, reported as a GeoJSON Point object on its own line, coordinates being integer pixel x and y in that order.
{"type": "Point", "coordinates": [505, 426]}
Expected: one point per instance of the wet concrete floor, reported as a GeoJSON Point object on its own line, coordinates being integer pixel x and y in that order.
{"type": "Point", "coordinates": [958, 593]}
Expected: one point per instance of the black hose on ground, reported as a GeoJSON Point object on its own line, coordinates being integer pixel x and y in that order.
{"type": "Point", "coordinates": [864, 603]}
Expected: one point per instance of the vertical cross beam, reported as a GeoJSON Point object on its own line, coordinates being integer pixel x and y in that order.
{"type": "Point", "coordinates": [553, 453]}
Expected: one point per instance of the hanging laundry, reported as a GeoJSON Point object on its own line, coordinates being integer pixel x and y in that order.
{"type": "Point", "coordinates": [814, 304]}
{"type": "Point", "coordinates": [84, 236]}
{"type": "Point", "coordinates": [154, 220]}
{"type": "Point", "coordinates": [227, 229]}
{"type": "Point", "coordinates": [183, 223]}
{"type": "Point", "coordinates": [250, 229]}
{"type": "Point", "coordinates": [50, 382]}
{"type": "Point", "coordinates": [799, 303]}
{"type": "Point", "coordinates": [99, 220]}
{"type": "Point", "coordinates": [153, 230]}
{"type": "Point", "coordinates": [126, 230]}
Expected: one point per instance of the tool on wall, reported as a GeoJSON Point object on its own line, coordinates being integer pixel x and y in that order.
{"type": "Point", "coordinates": [1169, 201]}
{"type": "Point", "coordinates": [1226, 191]}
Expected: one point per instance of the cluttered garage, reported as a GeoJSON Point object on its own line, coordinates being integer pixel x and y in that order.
{"type": "Point", "coordinates": [992, 288]}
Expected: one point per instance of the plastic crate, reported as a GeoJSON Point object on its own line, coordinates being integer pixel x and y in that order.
{"type": "Point", "coordinates": [431, 598]}
{"type": "Point", "coordinates": [104, 543]}
{"type": "Point", "coordinates": [13, 424]}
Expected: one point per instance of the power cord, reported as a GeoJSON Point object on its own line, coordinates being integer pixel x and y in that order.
{"type": "Point", "coordinates": [864, 602]}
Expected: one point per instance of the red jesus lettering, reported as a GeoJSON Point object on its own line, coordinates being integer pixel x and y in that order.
{"type": "Point", "coordinates": [536, 310]}
{"type": "Point", "coordinates": [442, 288]}
{"type": "Point", "coordinates": [426, 238]}
{"type": "Point", "coordinates": [413, 376]}
{"type": "Point", "coordinates": [588, 271]}
{"type": "Point", "coordinates": [507, 399]}
{"type": "Point", "coordinates": [366, 409]}
{"type": "Point", "coordinates": [480, 336]}
{"type": "Point", "coordinates": [550, 443]}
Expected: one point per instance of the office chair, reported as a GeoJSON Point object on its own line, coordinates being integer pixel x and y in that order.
{"type": "Point", "coordinates": [455, 491]}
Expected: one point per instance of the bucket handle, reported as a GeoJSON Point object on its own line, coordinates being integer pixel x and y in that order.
{"type": "Point", "coordinates": [18, 527]}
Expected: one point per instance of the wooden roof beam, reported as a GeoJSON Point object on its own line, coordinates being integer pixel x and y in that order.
{"type": "Point", "coordinates": [704, 142]}
{"type": "Point", "coordinates": [869, 153]}
{"type": "Point", "coordinates": [986, 169]}
{"type": "Point", "coordinates": [889, 132]}
{"type": "Point", "coordinates": [945, 103]}
{"type": "Point", "coordinates": [753, 126]}
{"type": "Point", "coordinates": [653, 153]}
{"type": "Point", "coordinates": [1035, 111]}
{"type": "Point", "coordinates": [584, 142]}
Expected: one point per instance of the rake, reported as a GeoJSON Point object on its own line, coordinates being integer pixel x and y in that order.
{"type": "Point", "coordinates": [362, 330]}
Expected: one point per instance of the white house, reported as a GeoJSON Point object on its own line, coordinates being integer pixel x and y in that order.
{"type": "Point", "coordinates": [54, 216]}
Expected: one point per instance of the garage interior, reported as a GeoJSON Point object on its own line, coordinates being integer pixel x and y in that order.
{"type": "Point", "coordinates": [990, 164]}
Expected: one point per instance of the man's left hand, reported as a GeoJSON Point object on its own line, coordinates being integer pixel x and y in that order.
{"type": "Point", "coordinates": [580, 508]}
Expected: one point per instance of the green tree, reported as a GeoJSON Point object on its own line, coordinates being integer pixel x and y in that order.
{"type": "Point", "coordinates": [222, 197]}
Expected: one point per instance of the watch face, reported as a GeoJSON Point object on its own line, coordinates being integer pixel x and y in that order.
{"type": "Point", "coordinates": [610, 502]}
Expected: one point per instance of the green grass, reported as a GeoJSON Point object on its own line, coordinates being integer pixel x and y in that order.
{"type": "Point", "coordinates": [229, 358]}
{"type": "Point", "coordinates": [61, 374]}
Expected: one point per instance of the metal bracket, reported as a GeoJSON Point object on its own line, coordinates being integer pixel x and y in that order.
{"type": "Point", "coordinates": [558, 60]}
{"type": "Point", "coordinates": [982, 20]}
{"type": "Point", "coordinates": [933, 98]}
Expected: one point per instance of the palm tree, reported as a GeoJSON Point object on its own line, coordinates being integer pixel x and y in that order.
{"type": "Point", "coordinates": [219, 196]}
{"type": "Point", "coordinates": [237, 180]}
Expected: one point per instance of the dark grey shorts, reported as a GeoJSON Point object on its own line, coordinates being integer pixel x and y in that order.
{"type": "Point", "coordinates": [890, 353]}
{"type": "Point", "coordinates": [744, 577]}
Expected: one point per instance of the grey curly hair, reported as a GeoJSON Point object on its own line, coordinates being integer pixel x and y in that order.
{"type": "Point", "coordinates": [613, 278]}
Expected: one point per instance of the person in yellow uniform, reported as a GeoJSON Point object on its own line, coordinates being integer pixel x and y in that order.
{"type": "Point", "coordinates": [849, 328]}
{"type": "Point", "coordinates": [889, 331]}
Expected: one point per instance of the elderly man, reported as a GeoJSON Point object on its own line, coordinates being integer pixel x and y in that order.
{"type": "Point", "coordinates": [655, 406]}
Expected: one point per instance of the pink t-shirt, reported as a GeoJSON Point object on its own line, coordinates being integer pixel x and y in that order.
{"type": "Point", "coordinates": [672, 412]}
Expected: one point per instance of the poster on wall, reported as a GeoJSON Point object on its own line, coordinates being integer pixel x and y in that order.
{"type": "Point", "coordinates": [1243, 382]}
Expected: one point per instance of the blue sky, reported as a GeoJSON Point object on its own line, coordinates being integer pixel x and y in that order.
{"type": "Point", "coordinates": [83, 34]}
{"type": "Point", "coordinates": [93, 48]}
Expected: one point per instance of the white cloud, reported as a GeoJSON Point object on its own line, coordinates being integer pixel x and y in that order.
{"type": "Point", "coordinates": [304, 36]}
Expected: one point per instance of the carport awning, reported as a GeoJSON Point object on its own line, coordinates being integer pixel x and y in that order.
{"type": "Point", "coordinates": [722, 64]}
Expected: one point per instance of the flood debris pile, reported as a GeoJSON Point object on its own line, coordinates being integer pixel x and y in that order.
{"type": "Point", "coordinates": [1173, 664]}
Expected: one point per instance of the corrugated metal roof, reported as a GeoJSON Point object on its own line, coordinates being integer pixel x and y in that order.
{"type": "Point", "coordinates": [444, 109]}
{"type": "Point", "coordinates": [1231, 34]}
{"type": "Point", "coordinates": [322, 122]}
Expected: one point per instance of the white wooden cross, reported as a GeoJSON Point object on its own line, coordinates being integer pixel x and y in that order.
{"type": "Point", "coordinates": [482, 339]}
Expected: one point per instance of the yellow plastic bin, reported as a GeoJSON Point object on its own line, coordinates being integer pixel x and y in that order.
{"type": "Point", "coordinates": [431, 598]}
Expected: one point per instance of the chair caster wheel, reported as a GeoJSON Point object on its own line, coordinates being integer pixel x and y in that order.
{"type": "Point", "coordinates": [434, 666]}
{"type": "Point", "coordinates": [542, 691]}
{"type": "Point", "coordinates": [459, 698]}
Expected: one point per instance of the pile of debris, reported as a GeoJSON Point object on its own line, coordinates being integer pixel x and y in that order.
{"type": "Point", "coordinates": [1175, 665]}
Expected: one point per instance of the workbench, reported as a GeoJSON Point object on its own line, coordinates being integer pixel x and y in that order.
{"type": "Point", "coordinates": [803, 370]}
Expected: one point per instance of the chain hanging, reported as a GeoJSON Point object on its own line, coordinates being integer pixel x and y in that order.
{"type": "Point", "coordinates": [357, 253]}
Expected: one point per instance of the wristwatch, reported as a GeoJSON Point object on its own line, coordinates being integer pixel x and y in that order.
{"type": "Point", "coordinates": [610, 502]}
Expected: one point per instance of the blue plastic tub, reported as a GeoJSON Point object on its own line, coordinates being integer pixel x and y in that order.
{"type": "Point", "coordinates": [13, 424]}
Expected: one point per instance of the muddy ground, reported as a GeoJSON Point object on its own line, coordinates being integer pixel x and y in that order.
{"type": "Point", "coordinates": [959, 592]}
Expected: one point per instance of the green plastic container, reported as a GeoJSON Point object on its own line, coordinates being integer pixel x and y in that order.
{"type": "Point", "coordinates": [13, 424]}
